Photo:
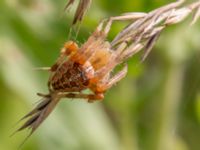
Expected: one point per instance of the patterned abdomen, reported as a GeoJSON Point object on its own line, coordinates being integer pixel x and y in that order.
{"type": "Point", "coordinates": [70, 77]}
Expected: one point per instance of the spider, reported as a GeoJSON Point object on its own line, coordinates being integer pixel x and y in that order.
{"type": "Point", "coordinates": [81, 68]}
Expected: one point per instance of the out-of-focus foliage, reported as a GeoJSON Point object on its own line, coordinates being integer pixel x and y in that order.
{"type": "Point", "coordinates": [156, 107]}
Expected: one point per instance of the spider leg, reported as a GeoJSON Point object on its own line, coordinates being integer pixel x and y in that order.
{"type": "Point", "coordinates": [42, 68]}
{"type": "Point", "coordinates": [88, 97]}
{"type": "Point", "coordinates": [126, 16]}
{"type": "Point", "coordinates": [116, 78]}
{"type": "Point", "coordinates": [64, 90]}
{"type": "Point", "coordinates": [114, 60]}
{"type": "Point", "coordinates": [121, 53]}
{"type": "Point", "coordinates": [129, 16]}
{"type": "Point", "coordinates": [130, 51]}
{"type": "Point", "coordinates": [67, 90]}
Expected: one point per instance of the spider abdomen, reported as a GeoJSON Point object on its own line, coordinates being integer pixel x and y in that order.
{"type": "Point", "coordinates": [70, 76]}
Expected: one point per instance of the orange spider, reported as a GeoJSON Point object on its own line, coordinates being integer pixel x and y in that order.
{"type": "Point", "coordinates": [78, 69]}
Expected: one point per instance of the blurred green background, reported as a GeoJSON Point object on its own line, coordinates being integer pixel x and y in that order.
{"type": "Point", "coordinates": [156, 107]}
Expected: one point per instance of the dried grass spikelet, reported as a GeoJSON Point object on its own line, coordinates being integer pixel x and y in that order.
{"type": "Point", "coordinates": [145, 28]}
{"type": "Point", "coordinates": [81, 9]}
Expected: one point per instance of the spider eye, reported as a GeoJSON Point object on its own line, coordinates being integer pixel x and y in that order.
{"type": "Point", "coordinates": [69, 48]}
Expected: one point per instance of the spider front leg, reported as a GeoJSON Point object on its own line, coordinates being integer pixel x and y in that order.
{"type": "Point", "coordinates": [102, 87]}
{"type": "Point", "coordinates": [115, 59]}
{"type": "Point", "coordinates": [127, 16]}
